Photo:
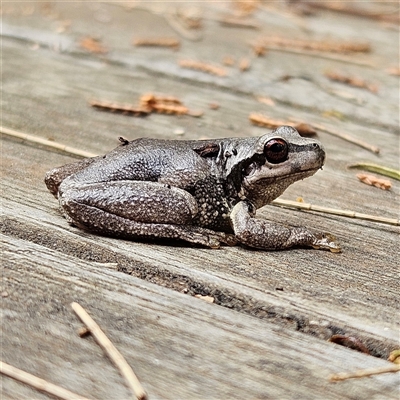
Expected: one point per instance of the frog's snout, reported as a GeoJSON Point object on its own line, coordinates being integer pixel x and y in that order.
{"type": "Point", "coordinates": [320, 151]}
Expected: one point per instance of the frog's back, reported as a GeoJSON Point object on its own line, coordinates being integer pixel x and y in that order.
{"type": "Point", "coordinates": [166, 161]}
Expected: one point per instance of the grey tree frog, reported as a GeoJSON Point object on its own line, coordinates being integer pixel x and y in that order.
{"type": "Point", "coordinates": [204, 192]}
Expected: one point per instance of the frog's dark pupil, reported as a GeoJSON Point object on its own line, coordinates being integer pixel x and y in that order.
{"type": "Point", "coordinates": [276, 151]}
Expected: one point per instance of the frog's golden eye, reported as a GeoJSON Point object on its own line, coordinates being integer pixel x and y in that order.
{"type": "Point", "coordinates": [276, 151]}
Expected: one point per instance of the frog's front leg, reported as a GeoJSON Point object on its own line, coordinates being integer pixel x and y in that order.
{"type": "Point", "coordinates": [136, 209]}
{"type": "Point", "coordinates": [266, 235]}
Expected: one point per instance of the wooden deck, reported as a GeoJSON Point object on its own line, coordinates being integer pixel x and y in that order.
{"type": "Point", "coordinates": [265, 336]}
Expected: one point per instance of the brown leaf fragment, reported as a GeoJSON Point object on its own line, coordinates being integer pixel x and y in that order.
{"type": "Point", "coordinates": [372, 180]}
{"type": "Point", "coordinates": [350, 342]}
{"type": "Point", "coordinates": [119, 107]}
{"type": "Point", "coordinates": [93, 45]}
{"type": "Point", "coordinates": [158, 42]}
{"type": "Point", "coordinates": [304, 129]}
{"type": "Point", "coordinates": [204, 67]}
{"type": "Point", "coordinates": [170, 109]}
{"type": "Point", "coordinates": [163, 104]}
{"type": "Point", "coordinates": [351, 80]}
{"type": "Point", "coordinates": [149, 99]}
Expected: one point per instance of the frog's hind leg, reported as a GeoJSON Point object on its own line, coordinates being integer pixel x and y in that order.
{"type": "Point", "coordinates": [136, 209]}
{"type": "Point", "coordinates": [54, 177]}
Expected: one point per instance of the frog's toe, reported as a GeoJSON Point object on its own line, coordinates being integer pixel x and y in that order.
{"type": "Point", "coordinates": [326, 241]}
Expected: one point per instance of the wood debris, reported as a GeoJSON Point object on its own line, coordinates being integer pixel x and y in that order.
{"type": "Point", "coordinates": [93, 45]}
{"type": "Point", "coordinates": [158, 42]}
{"type": "Point", "coordinates": [244, 64]}
{"type": "Point", "coordinates": [379, 169]}
{"type": "Point", "coordinates": [208, 299]}
{"type": "Point", "coordinates": [204, 67]}
{"type": "Point", "coordinates": [238, 22]}
{"type": "Point", "coordinates": [259, 49]}
{"type": "Point", "coordinates": [350, 342]}
{"type": "Point", "coordinates": [315, 45]}
{"type": "Point", "coordinates": [191, 17]}
{"type": "Point", "coordinates": [344, 7]}
{"type": "Point", "coordinates": [245, 7]}
{"type": "Point", "coordinates": [115, 356]}
{"type": "Point", "coordinates": [38, 383]}
{"type": "Point", "coordinates": [334, 211]}
{"type": "Point", "coordinates": [351, 80]}
{"type": "Point", "coordinates": [364, 372]}
{"type": "Point", "coordinates": [372, 180]}
{"type": "Point", "coordinates": [348, 138]}
{"type": "Point", "coordinates": [266, 100]}
{"type": "Point", "coordinates": [394, 356]}
{"type": "Point", "coordinates": [148, 103]}
{"type": "Point", "coordinates": [123, 108]}
{"type": "Point", "coordinates": [46, 142]}
{"type": "Point", "coordinates": [262, 120]}
{"type": "Point", "coordinates": [163, 104]}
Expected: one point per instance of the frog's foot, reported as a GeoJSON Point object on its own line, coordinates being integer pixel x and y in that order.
{"type": "Point", "coordinates": [326, 241]}
{"type": "Point", "coordinates": [266, 235]}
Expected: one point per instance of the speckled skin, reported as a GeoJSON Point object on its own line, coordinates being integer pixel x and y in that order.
{"type": "Point", "coordinates": [204, 192]}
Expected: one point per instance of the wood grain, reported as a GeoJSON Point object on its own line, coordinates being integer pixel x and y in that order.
{"type": "Point", "coordinates": [265, 334]}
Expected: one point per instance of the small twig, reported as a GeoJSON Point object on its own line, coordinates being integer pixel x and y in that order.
{"type": "Point", "coordinates": [260, 49]}
{"type": "Point", "coordinates": [38, 383]}
{"type": "Point", "coordinates": [348, 138]}
{"type": "Point", "coordinates": [237, 22]}
{"type": "Point", "coordinates": [334, 211]}
{"type": "Point", "coordinates": [115, 356]}
{"type": "Point", "coordinates": [351, 81]}
{"type": "Point", "coordinates": [157, 42]}
{"type": "Point", "coordinates": [48, 143]}
{"type": "Point", "coordinates": [342, 7]}
{"type": "Point", "coordinates": [318, 45]}
{"type": "Point", "coordinates": [364, 372]}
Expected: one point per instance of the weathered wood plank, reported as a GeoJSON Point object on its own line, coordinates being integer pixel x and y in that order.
{"type": "Point", "coordinates": [207, 351]}
{"type": "Point", "coordinates": [323, 293]}
{"type": "Point", "coordinates": [180, 347]}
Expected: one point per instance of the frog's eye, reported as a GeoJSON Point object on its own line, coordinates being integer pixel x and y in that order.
{"type": "Point", "coordinates": [276, 151]}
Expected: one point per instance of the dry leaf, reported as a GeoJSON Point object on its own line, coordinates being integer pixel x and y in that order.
{"type": "Point", "coordinates": [372, 180]}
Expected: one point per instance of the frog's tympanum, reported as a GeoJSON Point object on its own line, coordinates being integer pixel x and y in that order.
{"type": "Point", "coordinates": [204, 192]}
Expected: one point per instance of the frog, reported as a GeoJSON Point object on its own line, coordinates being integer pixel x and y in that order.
{"type": "Point", "coordinates": [204, 192]}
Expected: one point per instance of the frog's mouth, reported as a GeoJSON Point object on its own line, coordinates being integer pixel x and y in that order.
{"type": "Point", "coordinates": [256, 174]}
